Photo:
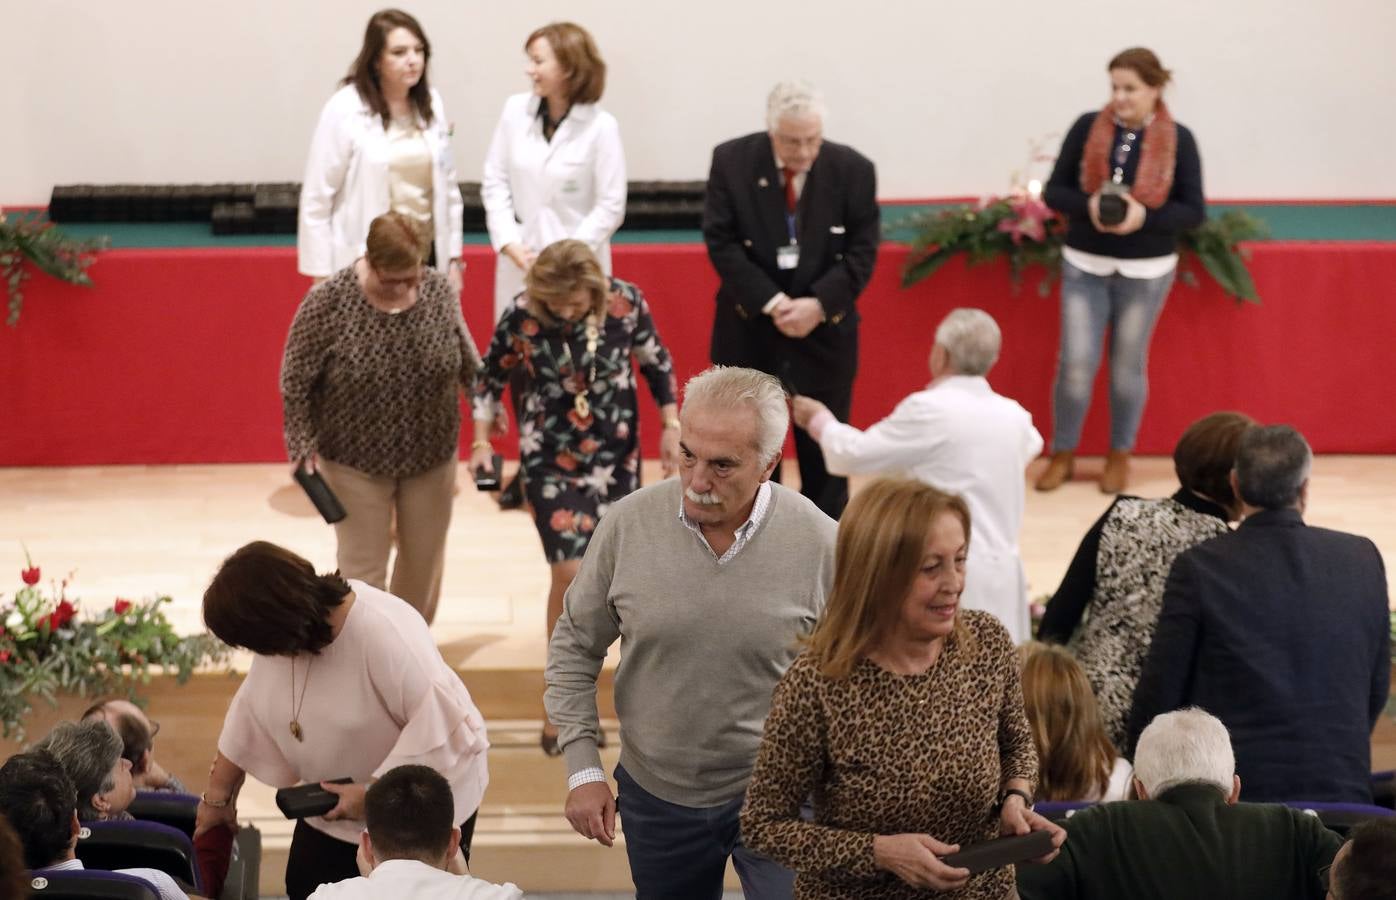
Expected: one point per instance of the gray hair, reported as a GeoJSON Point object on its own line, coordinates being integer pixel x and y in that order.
{"type": "Point", "coordinates": [730, 387]}
{"type": "Point", "coordinates": [972, 339]}
{"type": "Point", "coordinates": [796, 99]}
{"type": "Point", "coordinates": [1272, 465]}
{"type": "Point", "coordinates": [1187, 746]}
{"type": "Point", "coordinates": [89, 752]}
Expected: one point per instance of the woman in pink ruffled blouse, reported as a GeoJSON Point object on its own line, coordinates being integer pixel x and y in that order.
{"type": "Point", "coordinates": [346, 682]}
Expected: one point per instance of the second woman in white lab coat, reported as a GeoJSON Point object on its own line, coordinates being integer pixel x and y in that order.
{"type": "Point", "coordinates": [555, 167]}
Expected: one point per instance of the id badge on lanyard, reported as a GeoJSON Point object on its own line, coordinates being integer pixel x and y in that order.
{"type": "Point", "coordinates": [788, 256]}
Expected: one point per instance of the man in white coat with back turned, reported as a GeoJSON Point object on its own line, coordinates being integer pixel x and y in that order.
{"type": "Point", "coordinates": [960, 436]}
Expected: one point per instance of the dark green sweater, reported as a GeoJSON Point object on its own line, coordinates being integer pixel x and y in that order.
{"type": "Point", "coordinates": [1187, 844]}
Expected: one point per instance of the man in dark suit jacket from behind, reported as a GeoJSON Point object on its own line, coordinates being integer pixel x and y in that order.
{"type": "Point", "coordinates": [792, 226]}
{"type": "Point", "coordinates": [1282, 631]}
{"type": "Point", "coordinates": [1187, 836]}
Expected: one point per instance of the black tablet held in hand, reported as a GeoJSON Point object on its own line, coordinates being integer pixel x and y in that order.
{"type": "Point", "coordinates": [488, 479]}
{"type": "Point", "coordinates": [318, 490]}
{"type": "Point", "coordinates": [306, 800]}
{"type": "Point", "coordinates": [1000, 852]}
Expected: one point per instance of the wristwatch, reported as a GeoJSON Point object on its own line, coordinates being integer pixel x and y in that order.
{"type": "Point", "coordinates": [1008, 792]}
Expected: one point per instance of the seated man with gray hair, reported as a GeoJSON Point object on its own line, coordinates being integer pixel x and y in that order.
{"type": "Point", "coordinates": [708, 581]}
{"type": "Point", "coordinates": [1282, 630]}
{"type": "Point", "coordinates": [137, 732]}
{"type": "Point", "coordinates": [1187, 836]}
{"type": "Point", "coordinates": [960, 436]}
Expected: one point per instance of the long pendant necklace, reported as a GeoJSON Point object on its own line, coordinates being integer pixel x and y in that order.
{"type": "Point", "coordinates": [296, 705]}
{"type": "Point", "coordinates": [580, 401]}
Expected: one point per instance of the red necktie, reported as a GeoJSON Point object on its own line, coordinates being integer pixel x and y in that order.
{"type": "Point", "coordinates": [790, 199]}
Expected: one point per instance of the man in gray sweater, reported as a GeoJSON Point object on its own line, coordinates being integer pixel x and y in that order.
{"type": "Point", "coordinates": [709, 582]}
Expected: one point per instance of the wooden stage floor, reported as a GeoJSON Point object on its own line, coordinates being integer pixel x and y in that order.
{"type": "Point", "coordinates": [141, 530]}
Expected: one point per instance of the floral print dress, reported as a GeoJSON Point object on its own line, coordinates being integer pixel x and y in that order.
{"type": "Point", "coordinates": [578, 465]}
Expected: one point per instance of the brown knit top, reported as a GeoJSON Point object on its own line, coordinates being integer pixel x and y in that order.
{"type": "Point", "coordinates": [372, 390]}
{"type": "Point", "coordinates": [882, 753]}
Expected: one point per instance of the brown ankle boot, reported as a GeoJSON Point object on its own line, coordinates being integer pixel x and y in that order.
{"type": "Point", "coordinates": [1058, 471]}
{"type": "Point", "coordinates": [1116, 474]}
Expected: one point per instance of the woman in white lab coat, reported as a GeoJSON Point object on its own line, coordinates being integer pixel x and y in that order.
{"type": "Point", "coordinates": [555, 167]}
{"type": "Point", "coordinates": [555, 170]}
{"type": "Point", "coordinates": [382, 145]}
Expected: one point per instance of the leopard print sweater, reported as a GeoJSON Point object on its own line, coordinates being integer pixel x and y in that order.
{"type": "Point", "coordinates": [1138, 542]}
{"type": "Point", "coordinates": [375, 391]}
{"type": "Point", "coordinates": [882, 753]}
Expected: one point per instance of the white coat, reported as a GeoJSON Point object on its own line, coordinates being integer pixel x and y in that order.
{"type": "Point", "coordinates": [959, 436]}
{"type": "Point", "coordinates": [346, 185]}
{"type": "Point", "coordinates": [537, 191]}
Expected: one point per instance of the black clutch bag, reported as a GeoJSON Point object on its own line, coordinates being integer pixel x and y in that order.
{"type": "Point", "coordinates": [315, 487]}
{"type": "Point", "coordinates": [1000, 852]}
{"type": "Point", "coordinates": [306, 800]}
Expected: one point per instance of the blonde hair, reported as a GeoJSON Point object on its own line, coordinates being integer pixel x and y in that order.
{"type": "Point", "coordinates": [563, 268]}
{"type": "Point", "coordinates": [881, 543]}
{"type": "Point", "coordinates": [1074, 755]}
{"type": "Point", "coordinates": [394, 243]}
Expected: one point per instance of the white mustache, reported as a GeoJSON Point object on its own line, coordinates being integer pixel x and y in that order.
{"type": "Point", "coordinates": [708, 499]}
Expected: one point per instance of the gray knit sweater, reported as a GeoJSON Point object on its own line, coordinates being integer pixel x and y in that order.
{"type": "Point", "coordinates": [702, 645]}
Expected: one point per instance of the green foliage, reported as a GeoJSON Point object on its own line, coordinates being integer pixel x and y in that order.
{"type": "Point", "coordinates": [48, 646]}
{"type": "Point", "coordinates": [1029, 235]}
{"type": "Point", "coordinates": [32, 240]}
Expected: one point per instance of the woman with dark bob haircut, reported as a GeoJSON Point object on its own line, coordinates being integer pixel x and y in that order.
{"type": "Point", "coordinates": [1116, 579]}
{"type": "Point", "coordinates": [345, 681]}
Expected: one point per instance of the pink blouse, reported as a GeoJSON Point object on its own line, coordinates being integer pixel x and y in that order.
{"type": "Point", "coordinates": [379, 696]}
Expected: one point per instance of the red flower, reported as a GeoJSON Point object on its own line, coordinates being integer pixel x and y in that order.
{"type": "Point", "coordinates": [579, 422]}
{"type": "Point", "coordinates": [529, 327]}
{"type": "Point", "coordinates": [589, 445]}
{"type": "Point", "coordinates": [121, 605]}
{"type": "Point", "coordinates": [563, 520]}
{"type": "Point", "coordinates": [508, 361]}
{"type": "Point", "coordinates": [30, 575]}
{"type": "Point", "coordinates": [619, 306]}
{"type": "Point", "coordinates": [4, 656]}
{"type": "Point", "coordinates": [62, 614]}
{"type": "Point", "coordinates": [566, 461]}
{"type": "Point", "coordinates": [585, 523]}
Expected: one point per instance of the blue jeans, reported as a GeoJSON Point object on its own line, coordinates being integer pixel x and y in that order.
{"type": "Point", "coordinates": [680, 852]}
{"type": "Point", "coordinates": [1130, 307]}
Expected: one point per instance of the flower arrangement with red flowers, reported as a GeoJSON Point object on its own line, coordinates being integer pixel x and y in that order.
{"type": "Point", "coordinates": [30, 241]}
{"type": "Point", "coordinates": [50, 644]}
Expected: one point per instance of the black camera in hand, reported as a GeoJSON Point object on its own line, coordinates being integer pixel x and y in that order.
{"type": "Point", "coordinates": [487, 479]}
{"type": "Point", "coordinates": [1111, 208]}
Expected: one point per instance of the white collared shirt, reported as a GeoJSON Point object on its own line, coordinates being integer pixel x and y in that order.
{"type": "Point", "coordinates": [744, 531]}
{"type": "Point", "coordinates": [161, 881]}
{"type": "Point", "coordinates": [415, 879]}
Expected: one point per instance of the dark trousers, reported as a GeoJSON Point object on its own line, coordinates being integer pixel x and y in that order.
{"type": "Point", "coordinates": [315, 858]}
{"type": "Point", "coordinates": [829, 492]}
{"type": "Point", "coordinates": [680, 853]}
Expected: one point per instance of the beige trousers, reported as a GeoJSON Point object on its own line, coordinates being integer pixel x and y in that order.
{"type": "Point", "coordinates": [421, 505]}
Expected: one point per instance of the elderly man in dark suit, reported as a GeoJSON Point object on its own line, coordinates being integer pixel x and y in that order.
{"type": "Point", "coordinates": [792, 227]}
{"type": "Point", "coordinates": [1282, 631]}
{"type": "Point", "coordinates": [1187, 836]}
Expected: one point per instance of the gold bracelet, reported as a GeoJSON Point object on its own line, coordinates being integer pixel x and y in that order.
{"type": "Point", "coordinates": [216, 804]}
{"type": "Point", "coordinates": [480, 445]}
{"type": "Point", "coordinates": [671, 422]}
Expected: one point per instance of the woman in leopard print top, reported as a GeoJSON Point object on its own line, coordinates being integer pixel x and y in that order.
{"type": "Point", "coordinates": [1117, 577]}
{"type": "Point", "coordinates": [903, 720]}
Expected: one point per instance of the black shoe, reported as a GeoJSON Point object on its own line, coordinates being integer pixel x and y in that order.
{"type": "Point", "coordinates": [512, 497]}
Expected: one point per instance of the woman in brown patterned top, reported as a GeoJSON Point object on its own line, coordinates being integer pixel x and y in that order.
{"type": "Point", "coordinates": [903, 720]}
{"type": "Point", "coordinates": [371, 382]}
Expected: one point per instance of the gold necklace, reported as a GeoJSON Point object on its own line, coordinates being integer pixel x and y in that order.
{"type": "Point", "coordinates": [580, 401]}
{"type": "Point", "coordinates": [296, 731]}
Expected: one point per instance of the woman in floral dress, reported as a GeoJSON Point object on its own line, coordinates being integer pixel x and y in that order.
{"type": "Point", "coordinates": [575, 331]}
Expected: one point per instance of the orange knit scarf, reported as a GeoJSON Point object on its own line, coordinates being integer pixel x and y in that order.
{"type": "Point", "coordinates": [1153, 179]}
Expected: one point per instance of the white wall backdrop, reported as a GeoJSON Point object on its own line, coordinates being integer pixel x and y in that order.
{"type": "Point", "coordinates": [1288, 99]}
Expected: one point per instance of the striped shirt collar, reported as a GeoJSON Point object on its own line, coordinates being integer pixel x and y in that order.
{"type": "Point", "coordinates": [759, 508]}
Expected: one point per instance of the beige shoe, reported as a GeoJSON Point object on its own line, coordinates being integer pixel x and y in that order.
{"type": "Point", "coordinates": [1116, 474]}
{"type": "Point", "coordinates": [1058, 471]}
